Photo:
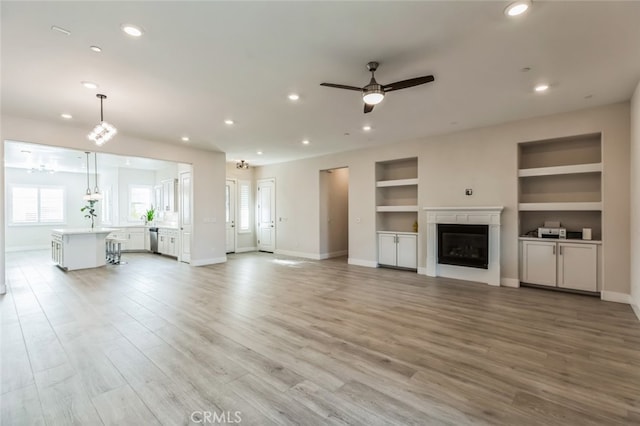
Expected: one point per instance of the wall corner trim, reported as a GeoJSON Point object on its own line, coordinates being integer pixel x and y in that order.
{"type": "Point", "coordinates": [509, 282]}
{"type": "Point", "coordinates": [211, 261]}
{"type": "Point", "coordinates": [361, 262]}
{"type": "Point", "coordinates": [334, 254]}
{"type": "Point", "coordinates": [613, 296]}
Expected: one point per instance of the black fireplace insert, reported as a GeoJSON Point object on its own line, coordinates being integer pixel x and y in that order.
{"type": "Point", "coordinates": [464, 245]}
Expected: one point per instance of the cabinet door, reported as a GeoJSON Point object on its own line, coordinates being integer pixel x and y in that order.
{"type": "Point", "coordinates": [578, 266]}
{"type": "Point", "coordinates": [162, 243]}
{"type": "Point", "coordinates": [136, 241]}
{"type": "Point", "coordinates": [387, 251]}
{"type": "Point", "coordinates": [407, 251]}
{"type": "Point", "coordinates": [539, 262]}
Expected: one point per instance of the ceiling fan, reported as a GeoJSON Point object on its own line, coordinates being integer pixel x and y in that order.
{"type": "Point", "coordinates": [373, 93]}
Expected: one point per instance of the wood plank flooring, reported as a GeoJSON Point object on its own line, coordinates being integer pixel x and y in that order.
{"type": "Point", "coordinates": [278, 340]}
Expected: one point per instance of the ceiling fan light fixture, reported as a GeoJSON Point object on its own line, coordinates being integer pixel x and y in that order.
{"type": "Point", "coordinates": [517, 8]}
{"type": "Point", "coordinates": [373, 97]}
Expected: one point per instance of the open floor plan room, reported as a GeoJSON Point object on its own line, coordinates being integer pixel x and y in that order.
{"type": "Point", "coordinates": [279, 340]}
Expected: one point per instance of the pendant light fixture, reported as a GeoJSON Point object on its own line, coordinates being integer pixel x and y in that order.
{"type": "Point", "coordinates": [96, 191]}
{"type": "Point", "coordinates": [104, 131]}
{"type": "Point", "coordinates": [87, 194]}
{"type": "Point", "coordinates": [242, 165]}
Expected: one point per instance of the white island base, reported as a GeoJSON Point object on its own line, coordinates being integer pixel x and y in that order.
{"type": "Point", "coordinates": [79, 248]}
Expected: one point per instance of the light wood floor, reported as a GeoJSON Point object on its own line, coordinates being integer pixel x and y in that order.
{"type": "Point", "coordinates": [290, 341]}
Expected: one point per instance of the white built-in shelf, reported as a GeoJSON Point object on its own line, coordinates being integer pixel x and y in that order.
{"type": "Point", "coordinates": [397, 208]}
{"type": "Point", "coordinates": [397, 182]}
{"type": "Point", "coordinates": [561, 170]}
{"type": "Point", "coordinates": [567, 206]}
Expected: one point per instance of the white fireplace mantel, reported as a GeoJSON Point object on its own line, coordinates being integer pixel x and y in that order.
{"type": "Point", "coordinates": [465, 216]}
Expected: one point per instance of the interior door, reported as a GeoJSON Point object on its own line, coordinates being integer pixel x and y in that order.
{"type": "Point", "coordinates": [267, 215]}
{"type": "Point", "coordinates": [230, 215]}
{"type": "Point", "coordinates": [186, 222]}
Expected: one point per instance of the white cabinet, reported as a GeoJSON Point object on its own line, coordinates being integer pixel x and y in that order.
{"type": "Point", "coordinates": [134, 238]}
{"type": "Point", "coordinates": [398, 250]}
{"type": "Point", "coordinates": [571, 265]}
{"type": "Point", "coordinates": [168, 242]}
{"type": "Point", "coordinates": [169, 195]}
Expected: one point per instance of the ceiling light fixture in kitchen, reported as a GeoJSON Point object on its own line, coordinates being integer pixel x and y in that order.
{"type": "Point", "coordinates": [104, 131]}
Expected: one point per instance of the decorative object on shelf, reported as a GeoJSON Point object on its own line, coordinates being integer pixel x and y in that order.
{"type": "Point", "coordinates": [90, 211]}
{"type": "Point", "coordinates": [104, 131]}
{"type": "Point", "coordinates": [242, 165]}
{"type": "Point", "coordinates": [415, 226]}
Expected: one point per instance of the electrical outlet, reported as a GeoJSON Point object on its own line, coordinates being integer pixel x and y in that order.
{"type": "Point", "coordinates": [468, 191]}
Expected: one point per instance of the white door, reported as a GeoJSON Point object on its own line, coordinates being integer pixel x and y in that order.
{"type": "Point", "coordinates": [267, 215]}
{"type": "Point", "coordinates": [577, 266]}
{"type": "Point", "coordinates": [407, 251]}
{"type": "Point", "coordinates": [186, 222]}
{"type": "Point", "coordinates": [230, 215]}
{"type": "Point", "coordinates": [387, 249]}
{"type": "Point", "coordinates": [539, 263]}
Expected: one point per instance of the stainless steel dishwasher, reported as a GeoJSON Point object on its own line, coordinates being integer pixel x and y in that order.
{"type": "Point", "coordinates": [153, 240]}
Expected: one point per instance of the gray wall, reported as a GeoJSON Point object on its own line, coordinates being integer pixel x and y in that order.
{"type": "Point", "coordinates": [635, 200]}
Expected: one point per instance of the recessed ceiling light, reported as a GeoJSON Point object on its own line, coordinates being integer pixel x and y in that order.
{"type": "Point", "coordinates": [259, 152]}
{"type": "Point", "coordinates": [541, 87]}
{"type": "Point", "coordinates": [306, 142]}
{"type": "Point", "coordinates": [89, 84]}
{"type": "Point", "coordinates": [66, 116]}
{"type": "Point", "coordinates": [294, 97]}
{"type": "Point", "coordinates": [517, 8]}
{"type": "Point", "coordinates": [228, 122]}
{"type": "Point", "coordinates": [132, 30]}
{"type": "Point", "coordinates": [185, 138]}
{"type": "Point", "coordinates": [60, 30]}
{"type": "Point", "coordinates": [366, 128]}
{"type": "Point", "coordinates": [95, 48]}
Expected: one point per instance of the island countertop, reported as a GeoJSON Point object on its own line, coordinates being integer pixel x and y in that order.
{"type": "Point", "coordinates": [77, 231]}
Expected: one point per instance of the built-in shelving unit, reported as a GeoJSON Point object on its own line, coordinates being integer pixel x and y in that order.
{"type": "Point", "coordinates": [560, 180]}
{"type": "Point", "coordinates": [397, 212]}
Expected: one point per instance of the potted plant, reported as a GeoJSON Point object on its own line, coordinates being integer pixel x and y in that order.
{"type": "Point", "coordinates": [150, 215]}
{"type": "Point", "coordinates": [90, 211]}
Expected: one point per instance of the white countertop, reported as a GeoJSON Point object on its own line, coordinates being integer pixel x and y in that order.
{"type": "Point", "coordinates": [560, 240]}
{"type": "Point", "coordinates": [78, 231]}
{"type": "Point", "coordinates": [147, 226]}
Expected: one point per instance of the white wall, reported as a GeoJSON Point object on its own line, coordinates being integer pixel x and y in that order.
{"type": "Point", "coordinates": [334, 212]}
{"type": "Point", "coordinates": [484, 159]}
{"type": "Point", "coordinates": [245, 241]}
{"type": "Point", "coordinates": [26, 237]}
{"type": "Point", "coordinates": [635, 201]}
{"type": "Point", "coordinates": [208, 176]}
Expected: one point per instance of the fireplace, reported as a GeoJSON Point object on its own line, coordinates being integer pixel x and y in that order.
{"type": "Point", "coordinates": [463, 245]}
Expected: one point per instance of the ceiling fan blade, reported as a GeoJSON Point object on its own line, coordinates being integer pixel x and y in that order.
{"type": "Point", "coordinates": [368, 108]}
{"type": "Point", "coordinates": [407, 83]}
{"type": "Point", "coordinates": [341, 86]}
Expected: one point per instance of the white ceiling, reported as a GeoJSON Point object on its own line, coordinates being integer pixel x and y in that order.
{"type": "Point", "coordinates": [45, 158]}
{"type": "Point", "coordinates": [199, 63]}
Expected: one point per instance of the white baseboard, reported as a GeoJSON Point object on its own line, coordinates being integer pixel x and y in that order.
{"type": "Point", "coordinates": [246, 249]}
{"type": "Point", "coordinates": [360, 262]}
{"type": "Point", "coordinates": [27, 248]}
{"type": "Point", "coordinates": [613, 296]}
{"type": "Point", "coordinates": [302, 254]}
{"type": "Point", "coordinates": [636, 309]}
{"type": "Point", "coordinates": [211, 261]}
{"type": "Point", "coordinates": [509, 282]}
{"type": "Point", "coordinates": [334, 254]}
{"type": "Point", "coordinates": [422, 271]}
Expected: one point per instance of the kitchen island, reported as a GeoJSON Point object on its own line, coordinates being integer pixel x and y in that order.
{"type": "Point", "coordinates": [79, 248]}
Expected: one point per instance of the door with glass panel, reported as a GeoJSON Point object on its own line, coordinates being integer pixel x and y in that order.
{"type": "Point", "coordinates": [230, 215]}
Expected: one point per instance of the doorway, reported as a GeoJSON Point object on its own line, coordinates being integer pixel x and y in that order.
{"type": "Point", "coordinates": [230, 215]}
{"type": "Point", "coordinates": [334, 212]}
{"type": "Point", "coordinates": [266, 215]}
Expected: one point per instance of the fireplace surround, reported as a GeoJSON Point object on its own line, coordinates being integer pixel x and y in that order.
{"type": "Point", "coordinates": [489, 217]}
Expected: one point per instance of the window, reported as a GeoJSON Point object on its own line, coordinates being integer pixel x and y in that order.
{"type": "Point", "coordinates": [139, 202]}
{"type": "Point", "coordinates": [33, 205]}
{"type": "Point", "coordinates": [244, 192]}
